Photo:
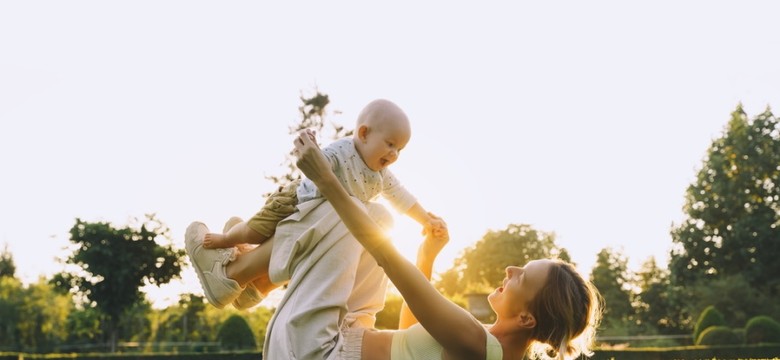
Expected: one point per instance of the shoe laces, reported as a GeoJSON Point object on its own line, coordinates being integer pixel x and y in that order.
{"type": "Point", "coordinates": [228, 255]}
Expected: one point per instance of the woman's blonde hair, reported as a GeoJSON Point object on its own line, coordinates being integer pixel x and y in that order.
{"type": "Point", "coordinates": [567, 311]}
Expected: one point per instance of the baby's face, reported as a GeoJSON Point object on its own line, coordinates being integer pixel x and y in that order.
{"type": "Point", "coordinates": [383, 145]}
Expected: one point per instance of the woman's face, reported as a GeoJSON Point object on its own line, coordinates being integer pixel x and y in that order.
{"type": "Point", "coordinates": [519, 287]}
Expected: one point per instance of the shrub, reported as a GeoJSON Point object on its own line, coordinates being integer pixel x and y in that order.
{"type": "Point", "coordinates": [740, 334]}
{"type": "Point", "coordinates": [762, 329]}
{"type": "Point", "coordinates": [709, 317]}
{"type": "Point", "coordinates": [718, 335]}
{"type": "Point", "coordinates": [235, 334]}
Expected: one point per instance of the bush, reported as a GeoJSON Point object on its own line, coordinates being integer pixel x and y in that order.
{"type": "Point", "coordinates": [762, 329]}
{"type": "Point", "coordinates": [740, 335]}
{"type": "Point", "coordinates": [718, 335]}
{"type": "Point", "coordinates": [120, 356]}
{"type": "Point", "coordinates": [726, 352]}
{"type": "Point", "coordinates": [709, 317]}
{"type": "Point", "coordinates": [235, 334]}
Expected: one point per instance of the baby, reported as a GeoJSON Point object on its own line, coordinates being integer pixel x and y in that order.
{"type": "Point", "coordinates": [361, 165]}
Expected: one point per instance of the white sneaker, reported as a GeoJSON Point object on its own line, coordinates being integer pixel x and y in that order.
{"type": "Point", "coordinates": [210, 264]}
{"type": "Point", "coordinates": [248, 298]}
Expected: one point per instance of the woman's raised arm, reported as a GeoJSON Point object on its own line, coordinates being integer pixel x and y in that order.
{"type": "Point", "coordinates": [459, 333]}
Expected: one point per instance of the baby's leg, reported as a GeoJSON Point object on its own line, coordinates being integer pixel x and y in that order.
{"type": "Point", "coordinates": [252, 267]}
{"type": "Point", "coordinates": [262, 284]}
{"type": "Point", "coordinates": [240, 233]}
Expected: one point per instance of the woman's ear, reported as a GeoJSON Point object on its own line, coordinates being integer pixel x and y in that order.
{"type": "Point", "coordinates": [362, 132]}
{"type": "Point", "coordinates": [526, 320]}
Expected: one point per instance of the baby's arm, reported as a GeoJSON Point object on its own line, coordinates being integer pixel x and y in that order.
{"type": "Point", "coordinates": [402, 199]}
{"type": "Point", "coordinates": [429, 221]}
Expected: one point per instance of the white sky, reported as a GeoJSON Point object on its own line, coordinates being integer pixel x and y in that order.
{"type": "Point", "coordinates": [584, 118]}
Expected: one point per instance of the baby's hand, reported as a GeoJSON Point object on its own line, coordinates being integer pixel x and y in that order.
{"type": "Point", "coordinates": [440, 230]}
{"type": "Point", "coordinates": [436, 236]}
{"type": "Point", "coordinates": [436, 227]}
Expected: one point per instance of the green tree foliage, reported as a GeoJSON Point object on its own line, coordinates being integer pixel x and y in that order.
{"type": "Point", "coordinates": [258, 319]}
{"type": "Point", "coordinates": [390, 316]}
{"type": "Point", "coordinates": [718, 335]}
{"type": "Point", "coordinates": [733, 208]}
{"type": "Point", "coordinates": [449, 282]}
{"type": "Point", "coordinates": [32, 318]}
{"type": "Point", "coordinates": [11, 298]}
{"type": "Point", "coordinates": [610, 275]}
{"type": "Point", "coordinates": [312, 116]}
{"type": "Point", "coordinates": [482, 266]}
{"type": "Point", "coordinates": [116, 262]}
{"type": "Point", "coordinates": [191, 320]}
{"type": "Point", "coordinates": [135, 324]}
{"type": "Point", "coordinates": [7, 266]}
{"type": "Point", "coordinates": [235, 334]}
{"type": "Point", "coordinates": [43, 317]}
{"type": "Point", "coordinates": [83, 327]}
{"type": "Point", "coordinates": [192, 306]}
{"type": "Point", "coordinates": [743, 302]}
{"type": "Point", "coordinates": [655, 305]}
{"type": "Point", "coordinates": [762, 329]}
{"type": "Point", "coordinates": [659, 308]}
{"type": "Point", "coordinates": [185, 321]}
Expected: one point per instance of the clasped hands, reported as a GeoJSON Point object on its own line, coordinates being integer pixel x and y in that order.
{"type": "Point", "coordinates": [316, 167]}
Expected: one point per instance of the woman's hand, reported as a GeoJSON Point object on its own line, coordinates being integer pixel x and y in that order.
{"type": "Point", "coordinates": [311, 161]}
{"type": "Point", "coordinates": [435, 240]}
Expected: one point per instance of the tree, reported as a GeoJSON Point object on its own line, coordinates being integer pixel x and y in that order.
{"type": "Point", "coordinates": [116, 263]}
{"type": "Point", "coordinates": [483, 265]}
{"type": "Point", "coordinates": [192, 306]}
{"type": "Point", "coordinates": [235, 334]}
{"type": "Point", "coordinates": [258, 320]}
{"type": "Point", "coordinates": [184, 321]}
{"type": "Point", "coordinates": [135, 323]}
{"type": "Point", "coordinates": [312, 112]}
{"type": "Point", "coordinates": [7, 266]}
{"type": "Point", "coordinates": [747, 301]}
{"type": "Point", "coordinates": [390, 315]}
{"type": "Point", "coordinates": [32, 318]}
{"type": "Point", "coordinates": [610, 275]}
{"type": "Point", "coordinates": [11, 299]}
{"type": "Point", "coordinates": [42, 317]}
{"type": "Point", "coordinates": [733, 208]}
{"type": "Point", "coordinates": [83, 327]}
{"type": "Point", "coordinates": [658, 305]}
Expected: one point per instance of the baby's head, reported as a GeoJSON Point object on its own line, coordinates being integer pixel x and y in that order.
{"type": "Point", "coordinates": [381, 133]}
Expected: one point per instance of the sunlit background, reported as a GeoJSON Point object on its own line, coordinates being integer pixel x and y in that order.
{"type": "Point", "coordinates": [587, 119]}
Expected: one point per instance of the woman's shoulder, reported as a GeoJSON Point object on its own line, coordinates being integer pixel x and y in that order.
{"type": "Point", "coordinates": [493, 346]}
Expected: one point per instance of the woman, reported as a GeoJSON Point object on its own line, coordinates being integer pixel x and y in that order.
{"type": "Point", "coordinates": [543, 307]}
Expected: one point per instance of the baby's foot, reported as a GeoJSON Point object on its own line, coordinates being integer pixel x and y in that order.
{"type": "Point", "coordinates": [216, 241]}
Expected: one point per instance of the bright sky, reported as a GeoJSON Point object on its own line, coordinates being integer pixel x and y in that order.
{"type": "Point", "coordinates": [584, 118]}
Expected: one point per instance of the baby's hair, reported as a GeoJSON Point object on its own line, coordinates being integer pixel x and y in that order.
{"type": "Point", "coordinates": [567, 311]}
{"type": "Point", "coordinates": [378, 109]}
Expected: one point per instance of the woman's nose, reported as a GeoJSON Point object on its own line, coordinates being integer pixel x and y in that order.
{"type": "Point", "coordinates": [511, 270]}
